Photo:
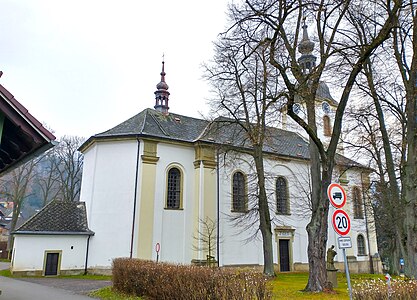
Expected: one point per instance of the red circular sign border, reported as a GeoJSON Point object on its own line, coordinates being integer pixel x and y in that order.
{"type": "Point", "coordinates": [331, 198]}
{"type": "Point", "coordinates": [334, 222]}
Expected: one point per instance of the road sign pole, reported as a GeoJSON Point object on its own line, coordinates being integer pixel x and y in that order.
{"type": "Point", "coordinates": [347, 273]}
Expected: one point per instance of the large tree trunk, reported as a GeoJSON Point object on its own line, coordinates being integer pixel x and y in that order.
{"type": "Point", "coordinates": [264, 214]}
{"type": "Point", "coordinates": [317, 227]}
{"type": "Point", "coordinates": [411, 179]}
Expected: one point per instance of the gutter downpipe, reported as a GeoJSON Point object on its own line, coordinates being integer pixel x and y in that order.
{"type": "Point", "coordinates": [218, 209]}
{"type": "Point", "coordinates": [86, 254]}
{"type": "Point", "coordinates": [135, 199]}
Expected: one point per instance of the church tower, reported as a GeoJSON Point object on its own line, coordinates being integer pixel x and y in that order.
{"type": "Point", "coordinates": [325, 104]}
{"type": "Point", "coordinates": [161, 93]}
{"type": "Point", "coordinates": [307, 60]}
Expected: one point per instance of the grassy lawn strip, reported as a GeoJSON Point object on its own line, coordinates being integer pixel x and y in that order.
{"type": "Point", "coordinates": [107, 294]}
{"type": "Point", "coordinates": [290, 286]}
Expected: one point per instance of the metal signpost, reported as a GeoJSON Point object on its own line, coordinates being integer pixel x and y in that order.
{"type": "Point", "coordinates": [157, 249]}
{"type": "Point", "coordinates": [341, 223]}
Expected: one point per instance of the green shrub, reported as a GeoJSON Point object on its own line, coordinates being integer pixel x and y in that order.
{"type": "Point", "coordinates": [166, 281]}
{"type": "Point", "coordinates": [378, 289]}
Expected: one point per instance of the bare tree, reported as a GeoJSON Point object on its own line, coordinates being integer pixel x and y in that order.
{"type": "Point", "coordinates": [48, 177]}
{"type": "Point", "coordinates": [405, 50]}
{"type": "Point", "coordinates": [16, 184]}
{"type": "Point", "coordinates": [337, 25]}
{"type": "Point", "coordinates": [206, 240]}
{"type": "Point", "coordinates": [247, 89]}
{"type": "Point", "coordinates": [69, 163]}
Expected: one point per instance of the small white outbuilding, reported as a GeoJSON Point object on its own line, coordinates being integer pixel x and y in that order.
{"type": "Point", "coordinates": [54, 241]}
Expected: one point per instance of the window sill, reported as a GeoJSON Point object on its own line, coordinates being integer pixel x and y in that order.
{"type": "Point", "coordinates": [169, 208]}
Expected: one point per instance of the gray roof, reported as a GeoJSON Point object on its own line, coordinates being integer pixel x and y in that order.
{"type": "Point", "coordinates": [222, 132]}
{"type": "Point", "coordinates": [58, 217]}
{"type": "Point", "coordinates": [150, 122]}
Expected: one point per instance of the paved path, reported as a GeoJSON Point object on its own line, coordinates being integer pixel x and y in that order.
{"type": "Point", "coordinates": [13, 289]}
{"type": "Point", "coordinates": [47, 288]}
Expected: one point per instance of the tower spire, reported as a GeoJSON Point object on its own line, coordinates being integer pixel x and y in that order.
{"type": "Point", "coordinates": [307, 60]}
{"type": "Point", "coordinates": [161, 93]}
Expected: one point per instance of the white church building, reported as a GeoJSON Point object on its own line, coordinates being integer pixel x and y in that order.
{"type": "Point", "coordinates": [150, 182]}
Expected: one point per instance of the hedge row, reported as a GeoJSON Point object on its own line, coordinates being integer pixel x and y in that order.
{"type": "Point", "coordinates": [166, 281]}
{"type": "Point", "coordinates": [379, 290]}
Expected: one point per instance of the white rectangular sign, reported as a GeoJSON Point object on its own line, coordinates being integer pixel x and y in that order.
{"type": "Point", "coordinates": [344, 242]}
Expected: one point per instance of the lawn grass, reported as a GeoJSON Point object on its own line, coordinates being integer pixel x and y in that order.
{"type": "Point", "coordinates": [290, 286]}
{"type": "Point", "coordinates": [107, 294]}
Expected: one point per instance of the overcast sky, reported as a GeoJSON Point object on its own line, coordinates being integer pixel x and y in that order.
{"type": "Point", "coordinates": [84, 66]}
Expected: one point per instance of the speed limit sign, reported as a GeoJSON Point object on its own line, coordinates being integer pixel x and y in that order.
{"type": "Point", "coordinates": [341, 222]}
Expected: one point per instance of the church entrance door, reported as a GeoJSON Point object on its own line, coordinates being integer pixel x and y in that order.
{"type": "Point", "coordinates": [284, 255]}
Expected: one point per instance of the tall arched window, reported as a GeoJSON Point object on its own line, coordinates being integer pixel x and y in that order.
{"type": "Point", "coordinates": [357, 203]}
{"type": "Point", "coordinates": [174, 189]}
{"type": "Point", "coordinates": [283, 206]}
{"type": "Point", "coordinates": [327, 126]}
{"type": "Point", "coordinates": [361, 245]}
{"type": "Point", "coordinates": [239, 192]}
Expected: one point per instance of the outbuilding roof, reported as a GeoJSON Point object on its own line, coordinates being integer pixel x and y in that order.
{"type": "Point", "coordinates": [58, 217]}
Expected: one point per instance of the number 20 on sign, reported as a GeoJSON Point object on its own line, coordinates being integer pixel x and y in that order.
{"type": "Point", "coordinates": [341, 222]}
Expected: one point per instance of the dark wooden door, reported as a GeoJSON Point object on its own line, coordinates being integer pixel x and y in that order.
{"type": "Point", "coordinates": [51, 267]}
{"type": "Point", "coordinates": [284, 255]}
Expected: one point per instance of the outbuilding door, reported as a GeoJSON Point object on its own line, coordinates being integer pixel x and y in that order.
{"type": "Point", "coordinates": [51, 266]}
{"type": "Point", "coordinates": [284, 255]}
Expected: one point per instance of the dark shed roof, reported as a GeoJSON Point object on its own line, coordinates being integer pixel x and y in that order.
{"type": "Point", "coordinates": [58, 217]}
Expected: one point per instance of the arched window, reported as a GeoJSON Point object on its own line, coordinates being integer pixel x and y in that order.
{"type": "Point", "coordinates": [327, 127]}
{"type": "Point", "coordinates": [282, 196]}
{"type": "Point", "coordinates": [357, 203]}
{"type": "Point", "coordinates": [239, 192]}
{"type": "Point", "coordinates": [174, 189]}
{"type": "Point", "coordinates": [361, 245]}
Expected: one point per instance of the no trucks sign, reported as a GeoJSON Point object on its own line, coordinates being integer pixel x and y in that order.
{"type": "Point", "coordinates": [337, 195]}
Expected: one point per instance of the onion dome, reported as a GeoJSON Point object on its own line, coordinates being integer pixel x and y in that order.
{"type": "Point", "coordinates": [307, 60]}
{"type": "Point", "coordinates": [162, 94]}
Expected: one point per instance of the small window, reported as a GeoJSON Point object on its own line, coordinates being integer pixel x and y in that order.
{"type": "Point", "coordinates": [357, 203]}
{"type": "Point", "coordinates": [174, 189]}
{"type": "Point", "coordinates": [361, 245]}
{"type": "Point", "coordinates": [327, 127]}
{"type": "Point", "coordinates": [282, 196]}
{"type": "Point", "coordinates": [239, 192]}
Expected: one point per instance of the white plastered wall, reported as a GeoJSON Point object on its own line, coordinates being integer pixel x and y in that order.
{"type": "Point", "coordinates": [29, 251]}
{"type": "Point", "coordinates": [108, 191]}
